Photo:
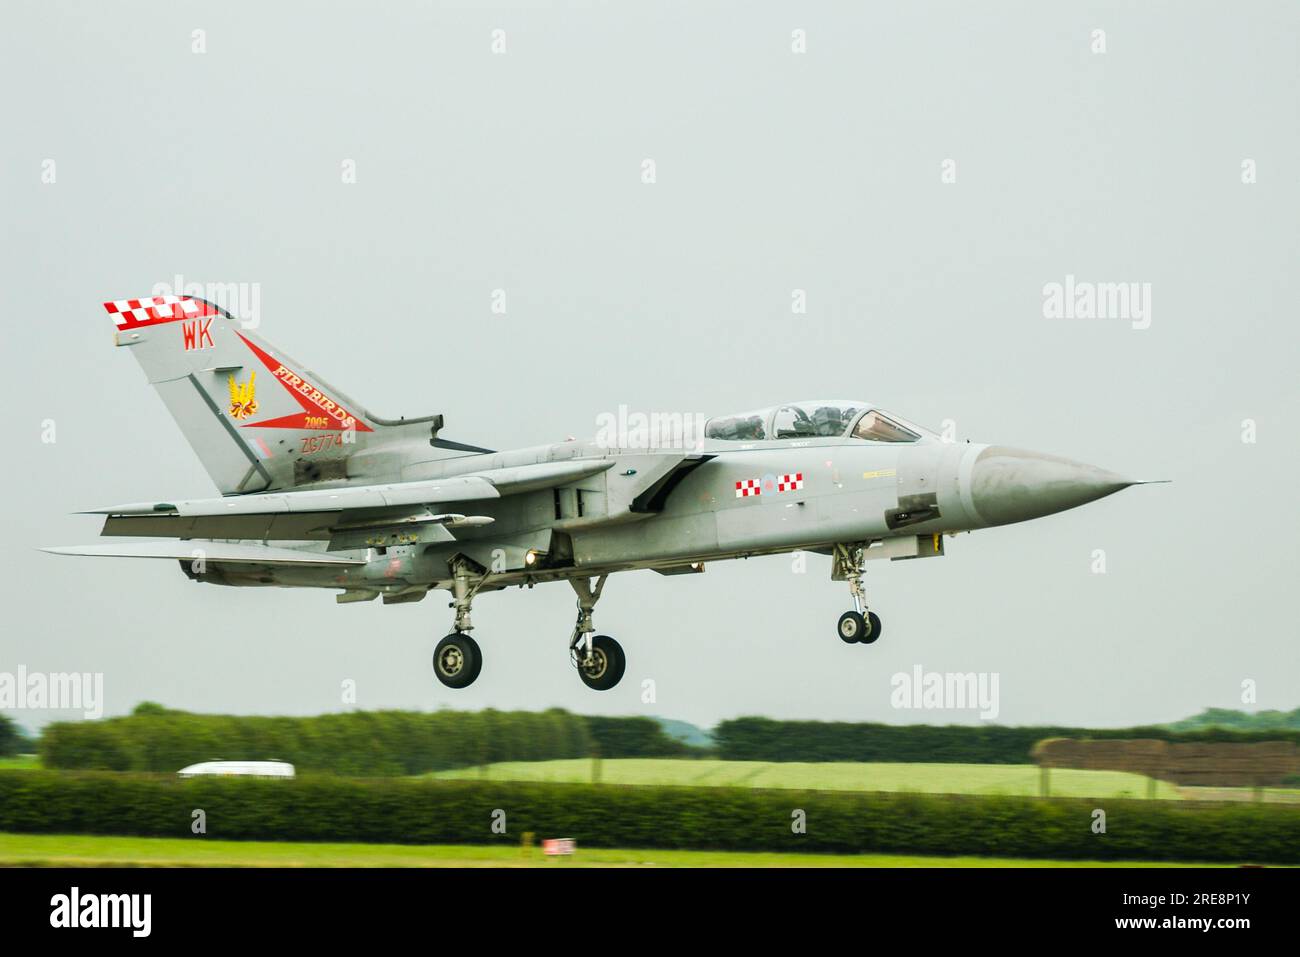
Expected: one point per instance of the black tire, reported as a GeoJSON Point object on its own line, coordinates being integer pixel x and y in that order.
{"type": "Point", "coordinates": [478, 662]}
{"type": "Point", "coordinates": [851, 627]}
{"type": "Point", "coordinates": [873, 628]}
{"type": "Point", "coordinates": [457, 660]}
{"type": "Point", "coordinates": [610, 663]}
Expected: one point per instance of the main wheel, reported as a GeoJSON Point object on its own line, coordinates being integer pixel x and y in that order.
{"type": "Point", "coordinates": [851, 628]}
{"type": "Point", "coordinates": [607, 663]}
{"type": "Point", "coordinates": [873, 628]}
{"type": "Point", "coordinates": [457, 660]}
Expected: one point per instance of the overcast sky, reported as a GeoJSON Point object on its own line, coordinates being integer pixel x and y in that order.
{"type": "Point", "coordinates": [775, 171]}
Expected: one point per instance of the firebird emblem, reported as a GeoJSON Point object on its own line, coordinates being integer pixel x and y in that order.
{"type": "Point", "coordinates": [243, 398]}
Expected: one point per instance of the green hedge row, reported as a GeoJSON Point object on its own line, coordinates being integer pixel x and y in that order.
{"type": "Point", "coordinates": [764, 739]}
{"type": "Point", "coordinates": [356, 742]}
{"type": "Point", "coordinates": [423, 811]}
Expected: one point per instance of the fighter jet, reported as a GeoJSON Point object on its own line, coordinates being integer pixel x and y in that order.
{"type": "Point", "coordinates": [319, 492]}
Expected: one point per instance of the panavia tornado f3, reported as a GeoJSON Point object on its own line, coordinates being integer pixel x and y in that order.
{"type": "Point", "coordinates": [318, 492]}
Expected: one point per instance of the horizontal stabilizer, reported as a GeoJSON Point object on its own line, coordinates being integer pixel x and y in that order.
{"type": "Point", "coordinates": [207, 551]}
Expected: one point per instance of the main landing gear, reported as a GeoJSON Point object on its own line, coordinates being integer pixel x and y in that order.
{"type": "Point", "coordinates": [599, 658]}
{"type": "Point", "coordinates": [858, 626]}
{"type": "Point", "coordinates": [458, 660]}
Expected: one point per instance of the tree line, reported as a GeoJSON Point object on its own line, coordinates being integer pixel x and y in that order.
{"type": "Point", "coordinates": [410, 742]}
{"type": "Point", "coordinates": [764, 739]}
{"type": "Point", "coordinates": [352, 743]}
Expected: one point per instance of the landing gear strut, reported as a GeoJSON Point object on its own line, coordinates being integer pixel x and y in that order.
{"type": "Point", "coordinates": [458, 660]}
{"type": "Point", "coordinates": [858, 626]}
{"type": "Point", "coordinates": [599, 658]}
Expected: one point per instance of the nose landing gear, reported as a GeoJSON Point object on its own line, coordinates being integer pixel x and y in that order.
{"type": "Point", "coordinates": [858, 626]}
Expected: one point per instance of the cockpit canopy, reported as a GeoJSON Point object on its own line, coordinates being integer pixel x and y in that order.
{"type": "Point", "coordinates": [820, 418]}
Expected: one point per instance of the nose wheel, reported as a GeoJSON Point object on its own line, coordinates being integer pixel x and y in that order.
{"type": "Point", "coordinates": [859, 626]}
{"type": "Point", "coordinates": [855, 628]}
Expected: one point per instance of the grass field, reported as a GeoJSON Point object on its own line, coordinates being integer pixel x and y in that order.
{"type": "Point", "coordinates": [58, 850]}
{"type": "Point", "coordinates": [1021, 779]}
{"type": "Point", "coordinates": [1014, 779]}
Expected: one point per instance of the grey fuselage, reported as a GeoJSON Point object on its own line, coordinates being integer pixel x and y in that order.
{"type": "Point", "coordinates": [673, 510]}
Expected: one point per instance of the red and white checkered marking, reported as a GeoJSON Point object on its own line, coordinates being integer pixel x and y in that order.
{"type": "Point", "coordinates": [129, 313]}
{"type": "Point", "coordinates": [789, 482]}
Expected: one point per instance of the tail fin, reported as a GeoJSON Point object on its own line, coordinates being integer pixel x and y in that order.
{"type": "Point", "coordinates": [257, 420]}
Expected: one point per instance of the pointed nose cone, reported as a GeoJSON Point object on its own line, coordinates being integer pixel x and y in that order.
{"type": "Point", "coordinates": [1014, 485]}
